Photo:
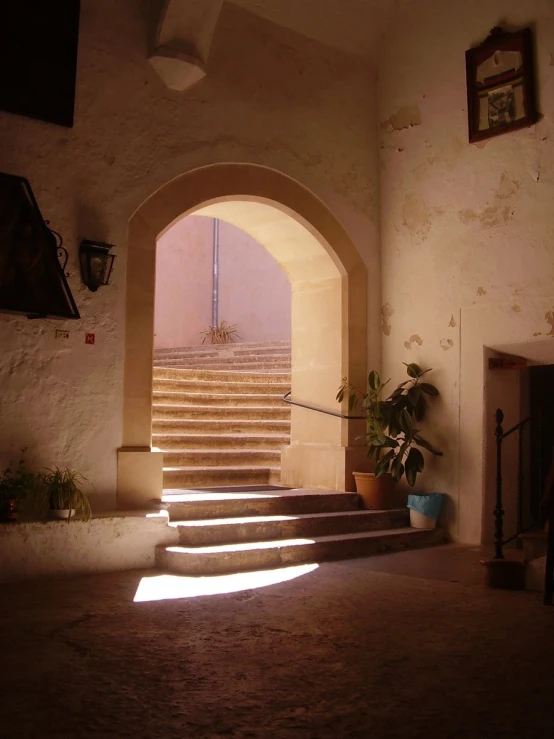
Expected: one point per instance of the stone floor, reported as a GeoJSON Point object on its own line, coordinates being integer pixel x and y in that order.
{"type": "Point", "coordinates": [404, 645]}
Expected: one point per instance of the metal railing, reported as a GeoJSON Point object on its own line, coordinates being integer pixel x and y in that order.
{"type": "Point", "coordinates": [287, 399]}
{"type": "Point", "coordinates": [500, 434]}
{"type": "Point", "coordinates": [499, 540]}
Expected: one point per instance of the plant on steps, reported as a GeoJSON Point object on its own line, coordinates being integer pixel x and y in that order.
{"type": "Point", "coordinates": [60, 491]}
{"type": "Point", "coordinates": [16, 483]}
{"type": "Point", "coordinates": [393, 425]}
{"type": "Point", "coordinates": [223, 333]}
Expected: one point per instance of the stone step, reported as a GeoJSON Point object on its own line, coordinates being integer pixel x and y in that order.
{"type": "Point", "coordinates": [212, 532]}
{"type": "Point", "coordinates": [223, 426]}
{"type": "Point", "coordinates": [234, 412]}
{"type": "Point", "coordinates": [244, 557]}
{"type": "Point", "coordinates": [264, 378]}
{"type": "Point", "coordinates": [209, 387]}
{"type": "Point", "coordinates": [181, 399]}
{"type": "Point", "coordinates": [220, 365]}
{"type": "Point", "coordinates": [220, 441]}
{"type": "Point", "coordinates": [535, 544]}
{"type": "Point", "coordinates": [243, 346]}
{"type": "Point", "coordinates": [194, 505]}
{"type": "Point", "coordinates": [192, 477]}
{"type": "Point", "coordinates": [270, 354]}
{"type": "Point", "coordinates": [222, 458]}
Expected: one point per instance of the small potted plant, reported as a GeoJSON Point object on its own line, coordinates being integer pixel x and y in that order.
{"type": "Point", "coordinates": [393, 433]}
{"type": "Point", "coordinates": [223, 333]}
{"type": "Point", "coordinates": [16, 483]}
{"type": "Point", "coordinates": [60, 494]}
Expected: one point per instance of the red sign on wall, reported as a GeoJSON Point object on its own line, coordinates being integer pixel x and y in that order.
{"type": "Point", "coordinates": [89, 338]}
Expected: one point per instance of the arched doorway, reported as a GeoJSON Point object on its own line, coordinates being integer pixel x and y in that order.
{"type": "Point", "coordinates": [328, 317]}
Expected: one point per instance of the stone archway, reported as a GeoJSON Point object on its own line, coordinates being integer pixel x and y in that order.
{"type": "Point", "coordinates": [329, 317]}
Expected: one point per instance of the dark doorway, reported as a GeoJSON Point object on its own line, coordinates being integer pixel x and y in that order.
{"type": "Point", "coordinates": [541, 397]}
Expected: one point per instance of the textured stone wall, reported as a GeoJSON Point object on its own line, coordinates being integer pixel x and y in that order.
{"type": "Point", "coordinates": [467, 230]}
{"type": "Point", "coordinates": [271, 97]}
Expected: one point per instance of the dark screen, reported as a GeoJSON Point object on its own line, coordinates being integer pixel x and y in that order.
{"type": "Point", "coordinates": [38, 58]}
{"type": "Point", "coordinates": [31, 279]}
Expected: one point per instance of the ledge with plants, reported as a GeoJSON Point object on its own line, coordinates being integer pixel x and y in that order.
{"type": "Point", "coordinates": [54, 493]}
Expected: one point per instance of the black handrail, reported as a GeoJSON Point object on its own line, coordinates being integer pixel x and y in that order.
{"type": "Point", "coordinates": [500, 434]}
{"type": "Point", "coordinates": [287, 399]}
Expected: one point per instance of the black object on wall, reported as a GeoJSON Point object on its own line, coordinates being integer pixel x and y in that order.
{"type": "Point", "coordinates": [32, 282]}
{"type": "Point", "coordinates": [38, 58]}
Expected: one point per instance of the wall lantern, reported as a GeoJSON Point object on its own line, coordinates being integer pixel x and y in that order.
{"type": "Point", "coordinates": [96, 263]}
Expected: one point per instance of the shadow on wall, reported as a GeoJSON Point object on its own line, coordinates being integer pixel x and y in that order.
{"type": "Point", "coordinates": [253, 290]}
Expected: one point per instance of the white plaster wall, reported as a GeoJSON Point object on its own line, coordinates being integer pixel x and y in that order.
{"type": "Point", "coordinates": [464, 227]}
{"type": "Point", "coordinates": [183, 306]}
{"type": "Point", "coordinates": [271, 97]}
{"type": "Point", "coordinates": [254, 291]}
{"type": "Point", "coordinates": [103, 544]}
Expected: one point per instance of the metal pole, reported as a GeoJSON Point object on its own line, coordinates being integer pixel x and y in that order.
{"type": "Point", "coordinates": [498, 511]}
{"type": "Point", "coordinates": [549, 567]}
{"type": "Point", "coordinates": [215, 275]}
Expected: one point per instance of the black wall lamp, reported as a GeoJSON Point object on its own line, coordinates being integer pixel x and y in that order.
{"type": "Point", "coordinates": [96, 263]}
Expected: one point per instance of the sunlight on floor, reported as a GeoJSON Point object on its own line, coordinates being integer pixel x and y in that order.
{"type": "Point", "coordinates": [168, 587]}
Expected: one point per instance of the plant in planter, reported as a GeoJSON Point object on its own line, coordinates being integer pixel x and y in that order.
{"type": "Point", "coordinates": [223, 333]}
{"type": "Point", "coordinates": [60, 494]}
{"type": "Point", "coordinates": [393, 430]}
{"type": "Point", "coordinates": [16, 483]}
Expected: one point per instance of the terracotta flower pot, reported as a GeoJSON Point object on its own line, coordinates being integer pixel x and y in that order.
{"type": "Point", "coordinates": [376, 492]}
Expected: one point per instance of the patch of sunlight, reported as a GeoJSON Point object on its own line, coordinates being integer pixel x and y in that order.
{"type": "Point", "coordinates": [231, 521]}
{"type": "Point", "coordinates": [168, 587]}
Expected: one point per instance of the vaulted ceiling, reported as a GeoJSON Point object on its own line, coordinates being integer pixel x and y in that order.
{"type": "Point", "coordinates": [354, 26]}
{"type": "Point", "coordinates": [184, 29]}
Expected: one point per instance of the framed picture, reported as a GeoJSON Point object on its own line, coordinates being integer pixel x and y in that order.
{"type": "Point", "coordinates": [500, 84]}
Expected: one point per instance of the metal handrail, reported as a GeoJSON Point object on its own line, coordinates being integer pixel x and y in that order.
{"type": "Point", "coordinates": [287, 399]}
{"type": "Point", "coordinates": [500, 434]}
{"type": "Point", "coordinates": [517, 427]}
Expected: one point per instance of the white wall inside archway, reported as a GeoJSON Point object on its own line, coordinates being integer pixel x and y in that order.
{"type": "Point", "coordinates": [254, 292]}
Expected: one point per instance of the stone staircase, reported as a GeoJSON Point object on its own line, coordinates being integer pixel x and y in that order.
{"type": "Point", "coordinates": [247, 530]}
{"type": "Point", "coordinates": [219, 418]}
{"type": "Point", "coordinates": [218, 413]}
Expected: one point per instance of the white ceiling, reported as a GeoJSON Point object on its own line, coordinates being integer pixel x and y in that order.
{"type": "Point", "coordinates": [354, 26]}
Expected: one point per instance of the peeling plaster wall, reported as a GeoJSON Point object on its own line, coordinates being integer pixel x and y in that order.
{"type": "Point", "coordinates": [271, 97]}
{"type": "Point", "coordinates": [463, 226]}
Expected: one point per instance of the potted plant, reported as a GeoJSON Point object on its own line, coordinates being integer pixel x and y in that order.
{"type": "Point", "coordinates": [223, 333]}
{"type": "Point", "coordinates": [393, 435]}
{"type": "Point", "coordinates": [60, 494]}
{"type": "Point", "coordinates": [16, 483]}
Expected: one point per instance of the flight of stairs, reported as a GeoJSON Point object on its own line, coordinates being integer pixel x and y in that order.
{"type": "Point", "coordinates": [219, 418]}
{"type": "Point", "coordinates": [218, 413]}
{"type": "Point", "coordinates": [249, 530]}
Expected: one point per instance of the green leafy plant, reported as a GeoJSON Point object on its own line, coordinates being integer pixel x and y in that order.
{"type": "Point", "coordinates": [60, 489]}
{"type": "Point", "coordinates": [16, 483]}
{"type": "Point", "coordinates": [223, 333]}
{"type": "Point", "coordinates": [393, 424]}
